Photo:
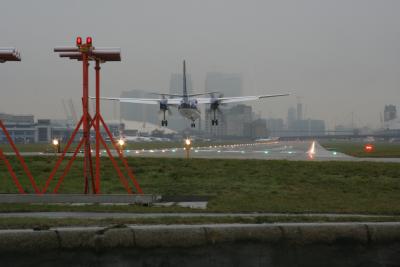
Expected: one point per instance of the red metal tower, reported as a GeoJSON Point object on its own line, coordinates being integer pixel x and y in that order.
{"type": "Point", "coordinates": [11, 54]}
{"type": "Point", "coordinates": [85, 52]}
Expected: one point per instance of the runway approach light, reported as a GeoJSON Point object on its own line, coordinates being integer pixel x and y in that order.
{"type": "Point", "coordinates": [121, 142]}
{"type": "Point", "coordinates": [55, 142]}
{"type": "Point", "coordinates": [369, 148]}
{"type": "Point", "coordinates": [188, 142]}
{"type": "Point", "coordinates": [311, 151]}
{"type": "Point", "coordinates": [188, 147]}
{"type": "Point", "coordinates": [57, 145]}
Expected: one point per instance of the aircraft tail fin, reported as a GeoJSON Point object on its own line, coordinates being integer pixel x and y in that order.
{"type": "Point", "coordinates": [185, 94]}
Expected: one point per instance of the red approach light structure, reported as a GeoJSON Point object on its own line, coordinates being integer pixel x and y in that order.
{"type": "Point", "coordinates": [369, 148]}
{"type": "Point", "coordinates": [11, 54]}
{"type": "Point", "coordinates": [85, 53]}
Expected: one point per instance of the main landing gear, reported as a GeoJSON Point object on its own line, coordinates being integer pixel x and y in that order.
{"type": "Point", "coordinates": [214, 122]}
{"type": "Point", "coordinates": [193, 125]}
{"type": "Point", "coordinates": [164, 122]}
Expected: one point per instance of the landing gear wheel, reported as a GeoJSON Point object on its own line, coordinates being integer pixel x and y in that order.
{"type": "Point", "coordinates": [164, 123]}
{"type": "Point", "coordinates": [212, 122]}
{"type": "Point", "coordinates": [193, 125]}
{"type": "Point", "coordinates": [216, 122]}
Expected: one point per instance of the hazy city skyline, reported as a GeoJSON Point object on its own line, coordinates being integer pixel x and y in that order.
{"type": "Point", "coordinates": [339, 56]}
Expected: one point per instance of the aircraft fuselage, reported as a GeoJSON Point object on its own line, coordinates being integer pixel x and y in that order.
{"type": "Point", "coordinates": [191, 113]}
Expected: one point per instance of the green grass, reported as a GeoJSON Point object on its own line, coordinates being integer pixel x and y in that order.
{"type": "Point", "coordinates": [356, 149]}
{"type": "Point", "coordinates": [236, 185]}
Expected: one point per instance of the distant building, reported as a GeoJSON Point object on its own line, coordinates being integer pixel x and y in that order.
{"type": "Point", "coordinates": [215, 130]}
{"type": "Point", "coordinates": [275, 127]}
{"type": "Point", "coordinates": [236, 119]}
{"type": "Point", "coordinates": [20, 127]}
{"type": "Point", "coordinates": [299, 111]}
{"type": "Point", "coordinates": [256, 129]}
{"type": "Point", "coordinates": [291, 117]}
{"type": "Point", "coordinates": [307, 127]}
{"type": "Point", "coordinates": [23, 129]}
{"type": "Point", "coordinates": [139, 112]}
{"type": "Point", "coordinates": [390, 113]}
{"type": "Point", "coordinates": [228, 84]}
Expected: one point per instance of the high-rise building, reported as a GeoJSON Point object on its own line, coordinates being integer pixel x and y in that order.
{"type": "Point", "coordinates": [228, 84]}
{"type": "Point", "coordinates": [390, 113]}
{"type": "Point", "coordinates": [299, 111]}
{"type": "Point", "coordinates": [139, 112]}
{"type": "Point", "coordinates": [275, 127]}
{"type": "Point", "coordinates": [291, 117]}
{"type": "Point", "coordinates": [232, 122]}
{"type": "Point", "coordinates": [236, 119]}
{"type": "Point", "coordinates": [256, 129]}
{"type": "Point", "coordinates": [215, 130]}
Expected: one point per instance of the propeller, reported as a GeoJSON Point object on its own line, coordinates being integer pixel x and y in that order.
{"type": "Point", "coordinates": [215, 103]}
{"type": "Point", "coordinates": [164, 105]}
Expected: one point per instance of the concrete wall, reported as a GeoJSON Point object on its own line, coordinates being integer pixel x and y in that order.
{"type": "Point", "coordinates": [341, 244]}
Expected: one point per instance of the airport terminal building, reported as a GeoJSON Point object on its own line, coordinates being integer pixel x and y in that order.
{"type": "Point", "coordinates": [24, 130]}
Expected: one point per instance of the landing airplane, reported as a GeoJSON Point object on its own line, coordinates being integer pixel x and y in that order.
{"type": "Point", "coordinates": [187, 104]}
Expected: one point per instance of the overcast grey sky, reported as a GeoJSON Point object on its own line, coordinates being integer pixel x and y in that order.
{"type": "Point", "coordinates": [339, 56]}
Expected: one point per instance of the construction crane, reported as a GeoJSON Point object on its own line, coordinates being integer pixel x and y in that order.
{"type": "Point", "coordinates": [73, 111]}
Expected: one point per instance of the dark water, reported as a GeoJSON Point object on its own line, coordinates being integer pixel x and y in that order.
{"type": "Point", "coordinates": [242, 254]}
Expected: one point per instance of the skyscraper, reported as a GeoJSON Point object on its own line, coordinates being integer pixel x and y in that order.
{"type": "Point", "coordinates": [228, 84]}
{"type": "Point", "coordinates": [291, 117]}
{"type": "Point", "coordinates": [299, 111]}
{"type": "Point", "coordinates": [390, 113]}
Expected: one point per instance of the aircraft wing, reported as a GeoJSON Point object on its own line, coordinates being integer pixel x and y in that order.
{"type": "Point", "coordinates": [148, 101]}
{"type": "Point", "coordinates": [226, 100]}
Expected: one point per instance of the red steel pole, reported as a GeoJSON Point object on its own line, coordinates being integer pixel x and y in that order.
{"type": "Point", "coordinates": [20, 158]}
{"type": "Point", "coordinates": [85, 87]}
{"type": "Point", "coordinates": [12, 173]}
{"type": "Point", "coordinates": [121, 156]}
{"type": "Point", "coordinates": [97, 126]}
{"type": "Point", "coordinates": [61, 158]}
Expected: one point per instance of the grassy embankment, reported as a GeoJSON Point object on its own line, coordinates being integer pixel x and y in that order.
{"type": "Point", "coordinates": [356, 149]}
{"type": "Point", "coordinates": [236, 185]}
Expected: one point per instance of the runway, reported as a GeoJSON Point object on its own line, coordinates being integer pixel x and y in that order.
{"type": "Point", "coordinates": [271, 150]}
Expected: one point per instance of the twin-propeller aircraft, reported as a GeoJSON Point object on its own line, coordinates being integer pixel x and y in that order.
{"type": "Point", "coordinates": [187, 104]}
